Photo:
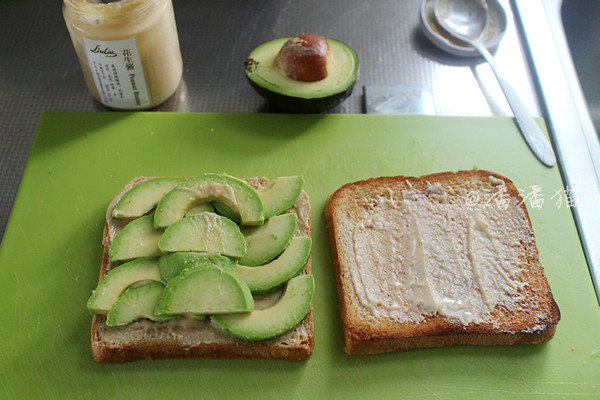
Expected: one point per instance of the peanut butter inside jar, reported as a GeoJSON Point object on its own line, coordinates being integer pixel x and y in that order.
{"type": "Point", "coordinates": [128, 50]}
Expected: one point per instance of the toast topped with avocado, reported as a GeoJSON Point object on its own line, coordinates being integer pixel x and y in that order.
{"type": "Point", "coordinates": [437, 260]}
{"type": "Point", "coordinates": [205, 267]}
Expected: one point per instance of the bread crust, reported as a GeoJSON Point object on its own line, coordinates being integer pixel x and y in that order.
{"type": "Point", "coordinates": [150, 340]}
{"type": "Point", "coordinates": [366, 334]}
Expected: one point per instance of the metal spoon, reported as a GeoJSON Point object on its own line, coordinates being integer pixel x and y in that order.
{"type": "Point", "coordinates": [466, 20]}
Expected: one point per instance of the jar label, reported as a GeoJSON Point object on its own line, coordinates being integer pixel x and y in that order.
{"type": "Point", "coordinates": [118, 72]}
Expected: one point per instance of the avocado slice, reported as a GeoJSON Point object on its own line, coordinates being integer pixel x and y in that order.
{"type": "Point", "coordinates": [144, 196]}
{"type": "Point", "coordinates": [281, 194]}
{"type": "Point", "coordinates": [205, 232]}
{"type": "Point", "coordinates": [234, 192]}
{"type": "Point", "coordinates": [226, 211]}
{"type": "Point", "coordinates": [200, 208]}
{"type": "Point", "coordinates": [205, 290]}
{"type": "Point", "coordinates": [173, 264]}
{"type": "Point", "coordinates": [120, 278]}
{"type": "Point", "coordinates": [289, 310]}
{"type": "Point", "coordinates": [135, 303]}
{"type": "Point", "coordinates": [298, 96]}
{"type": "Point", "coordinates": [268, 277]}
{"type": "Point", "coordinates": [264, 243]}
{"type": "Point", "coordinates": [136, 240]}
{"type": "Point", "coordinates": [276, 197]}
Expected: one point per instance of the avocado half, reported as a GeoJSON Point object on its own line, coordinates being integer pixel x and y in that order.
{"type": "Point", "coordinates": [297, 96]}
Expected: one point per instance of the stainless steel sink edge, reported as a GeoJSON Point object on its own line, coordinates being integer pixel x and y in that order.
{"type": "Point", "coordinates": [565, 111]}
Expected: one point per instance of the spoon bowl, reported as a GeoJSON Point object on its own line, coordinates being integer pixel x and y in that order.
{"type": "Point", "coordinates": [467, 19]}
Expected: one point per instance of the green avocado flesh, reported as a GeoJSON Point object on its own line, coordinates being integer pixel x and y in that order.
{"type": "Point", "coordinates": [206, 232]}
{"type": "Point", "coordinates": [200, 208]}
{"type": "Point", "coordinates": [276, 197]}
{"type": "Point", "coordinates": [136, 303]}
{"type": "Point", "coordinates": [281, 194]}
{"type": "Point", "coordinates": [203, 247]}
{"type": "Point", "coordinates": [292, 95]}
{"type": "Point", "coordinates": [289, 310]}
{"type": "Point", "coordinates": [173, 264]}
{"type": "Point", "coordinates": [144, 196]}
{"type": "Point", "coordinates": [231, 191]}
{"type": "Point", "coordinates": [264, 243]}
{"type": "Point", "coordinates": [137, 239]}
{"type": "Point", "coordinates": [119, 279]}
{"type": "Point", "coordinates": [268, 277]}
{"type": "Point", "coordinates": [205, 290]}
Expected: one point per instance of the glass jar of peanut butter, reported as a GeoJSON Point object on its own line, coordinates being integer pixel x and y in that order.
{"type": "Point", "coordinates": [128, 50]}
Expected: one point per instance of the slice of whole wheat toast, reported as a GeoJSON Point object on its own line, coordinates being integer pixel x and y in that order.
{"type": "Point", "coordinates": [437, 260]}
{"type": "Point", "coordinates": [190, 338]}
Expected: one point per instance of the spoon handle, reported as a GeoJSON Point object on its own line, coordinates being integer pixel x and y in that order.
{"type": "Point", "coordinates": [532, 133]}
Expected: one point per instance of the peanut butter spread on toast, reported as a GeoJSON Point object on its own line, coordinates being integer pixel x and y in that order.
{"type": "Point", "coordinates": [448, 251]}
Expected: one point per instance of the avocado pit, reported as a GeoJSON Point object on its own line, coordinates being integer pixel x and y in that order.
{"type": "Point", "coordinates": [304, 58]}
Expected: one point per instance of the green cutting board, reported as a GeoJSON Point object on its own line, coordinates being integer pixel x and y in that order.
{"type": "Point", "coordinates": [51, 253]}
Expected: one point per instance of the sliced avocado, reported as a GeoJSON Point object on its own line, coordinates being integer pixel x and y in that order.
{"type": "Point", "coordinates": [298, 96]}
{"type": "Point", "coordinates": [264, 243]}
{"type": "Point", "coordinates": [289, 310]}
{"type": "Point", "coordinates": [173, 264]}
{"type": "Point", "coordinates": [281, 194]}
{"type": "Point", "coordinates": [234, 192]}
{"type": "Point", "coordinates": [226, 211]}
{"type": "Point", "coordinates": [136, 303]}
{"type": "Point", "coordinates": [200, 208]}
{"type": "Point", "coordinates": [205, 290]}
{"type": "Point", "coordinates": [276, 197]}
{"type": "Point", "coordinates": [119, 279]}
{"type": "Point", "coordinates": [137, 239]}
{"type": "Point", "coordinates": [144, 196]}
{"type": "Point", "coordinates": [207, 233]}
{"type": "Point", "coordinates": [268, 277]}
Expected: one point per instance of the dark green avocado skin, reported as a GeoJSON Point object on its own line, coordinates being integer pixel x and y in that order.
{"type": "Point", "coordinates": [301, 105]}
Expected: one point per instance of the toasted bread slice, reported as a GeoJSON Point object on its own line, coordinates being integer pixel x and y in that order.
{"type": "Point", "coordinates": [439, 260]}
{"type": "Point", "coordinates": [190, 338]}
